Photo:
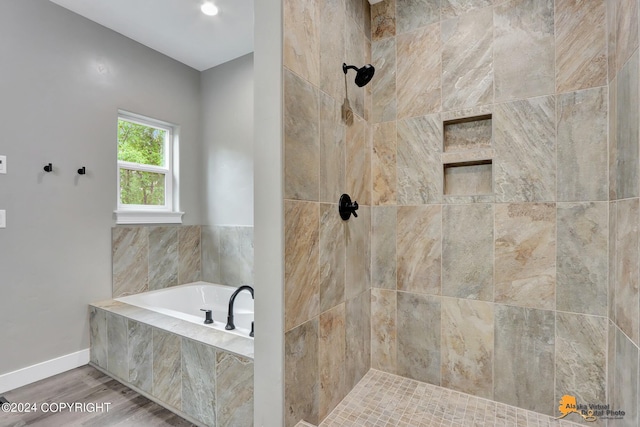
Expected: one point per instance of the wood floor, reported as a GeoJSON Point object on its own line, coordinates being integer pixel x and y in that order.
{"type": "Point", "coordinates": [86, 385]}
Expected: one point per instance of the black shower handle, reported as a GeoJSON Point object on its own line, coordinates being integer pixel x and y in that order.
{"type": "Point", "coordinates": [346, 208]}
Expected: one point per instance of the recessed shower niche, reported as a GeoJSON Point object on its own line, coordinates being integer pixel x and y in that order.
{"type": "Point", "coordinates": [467, 158]}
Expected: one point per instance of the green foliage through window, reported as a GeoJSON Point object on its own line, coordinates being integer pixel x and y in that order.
{"type": "Point", "coordinates": [142, 146]}
{"type": "Point", "coordinates": [141, 188]}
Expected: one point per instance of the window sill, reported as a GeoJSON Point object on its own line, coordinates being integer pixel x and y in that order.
{"type": "Point", "coordinates": [148, 217]}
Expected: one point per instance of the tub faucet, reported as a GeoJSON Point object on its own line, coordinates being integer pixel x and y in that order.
{"type": "Point", "coordinates": [232, 300]}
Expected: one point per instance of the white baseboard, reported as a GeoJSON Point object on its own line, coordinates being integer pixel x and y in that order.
{"type": "Point", "coordinates": [40, 371]}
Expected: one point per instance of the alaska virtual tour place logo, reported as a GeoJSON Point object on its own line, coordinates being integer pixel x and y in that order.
{"type": "Point", "coordinates": [590, 412]}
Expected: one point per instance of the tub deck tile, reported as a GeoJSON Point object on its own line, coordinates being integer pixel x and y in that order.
{"type": "Point", "coordinates": [236, 344]}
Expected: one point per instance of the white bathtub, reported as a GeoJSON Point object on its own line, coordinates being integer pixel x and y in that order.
{"type": "Point", "coordinates": [185, 302]}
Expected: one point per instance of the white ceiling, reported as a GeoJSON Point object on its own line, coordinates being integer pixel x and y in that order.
{"type": "Point", "coordinates": [177, 28]}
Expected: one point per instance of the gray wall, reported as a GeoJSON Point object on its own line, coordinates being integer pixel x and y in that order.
{"type": "Point", "coordinates": [269, 219]}
{"type": "Point", "coordinates": [62, 81]}
{"type": "Point", "coordinates": [227, 123]}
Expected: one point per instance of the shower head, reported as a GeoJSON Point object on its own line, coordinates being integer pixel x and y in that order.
{"type": "Point", "coordinates": [363, 75]}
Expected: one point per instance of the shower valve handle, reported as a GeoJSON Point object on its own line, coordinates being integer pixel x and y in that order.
{"type": "Point", "coordinates": [354, 208]}
{"type": "Point", "coordinates": [346, 207]}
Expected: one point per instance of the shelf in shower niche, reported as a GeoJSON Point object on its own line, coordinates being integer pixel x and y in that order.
{"type": "Point", "coordinates": [469, 178]}
{"type": "Point", "coordinates": [468, 156]}
{"type": "Point", "coordinates": [468, 133]}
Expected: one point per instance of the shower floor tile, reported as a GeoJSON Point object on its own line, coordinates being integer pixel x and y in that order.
{"type": "Point", "coordinates": [382, 400]}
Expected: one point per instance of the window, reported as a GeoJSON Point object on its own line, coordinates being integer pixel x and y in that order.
{"type": "Point", "coordinates": [147, 171]}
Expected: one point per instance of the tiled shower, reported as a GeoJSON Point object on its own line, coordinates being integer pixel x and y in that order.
{"type": "Point", "coordinates": [495, 159]}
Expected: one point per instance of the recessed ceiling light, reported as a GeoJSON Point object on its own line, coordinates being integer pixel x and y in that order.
{"type": "Point", "coordinates": [209, 8]}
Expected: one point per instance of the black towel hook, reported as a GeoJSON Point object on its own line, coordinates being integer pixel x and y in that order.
{"type": "Point", "coordinates": [82, 171]}
{"type": "Point", "coordinates": [48, 168]}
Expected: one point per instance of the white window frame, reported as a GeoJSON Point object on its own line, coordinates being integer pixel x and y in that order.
{"type": "Point", "coordinates": [169, 213]}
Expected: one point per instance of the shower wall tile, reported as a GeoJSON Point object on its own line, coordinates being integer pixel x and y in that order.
{"type": "Point", "coordinates": [581, 347]}
{"type": "Point", "coordinates": [413, 14]}
{"type": "Point", "coordinates": [234, 390]}
{"type": "Point", "coordinates": [355, 9]}
{"type": "Point", "coordinates": [117, 346]}
{"type": "Point", "coordinates": [301, 138]}
{"type": "Point", "coordinates": [332, 250]}
{"type": "Point", "coordinates": [453, 8]}
{"type": "Point", "coordinates": [98, 337]}
{"type": "Point", "coordinates": [383, 330]}
{"type": "Point", "coordinates": [419, 249]}
{"type": "Point", "coordinates": [419, 337]}
{"type": "Point", "coordinates": [383, 164]}
{"type": "Point", "coordinates": [613, 243]}
{"type": "Point", "coordinates": [582, 145]}
{"type": "Point", "coordinates": [383, 20]}
{"type": "Point", "coordinates": [367, 89]}
{"type": "Point", "coordinates": [627, 133]}
{"type": "Point", "coordinates": [524, 337]}
{"type": "Point", "coordinates": [383, 85]}
{"type": "Point", "coordinates": [358, 173]}
{"type": "Point", "coordinates": [383, 247]}
{"type": "Point", "coordinates": [301, 262]}
{"type": "Point", "coordinates": [581, 44]}
{"type": "Point", "coordinates": [611, 37]}
{"type": "Point", "coordinates": [583, 237]}
{"type": "Point", "coordinates": [467, 346]}
{"type": "Point", "coordinates": [467, 60]}
{"type": "Point", "coordinates": [331, 355]}
{"type": "Point", "coordinates": [613, 143]}
{"type": "Point", "coordinates": [301, 52]}
{"type": "Point", "coordinates": [301, 395]}
{"type": "Point", "coordinates": [626, 30]}
{"type": "Point", "coordinates": [167, 378]}
{"type": "Point", "coordinates": [358, 254]}
{"type": "Point", "coordinates": [331, 30]}
{"type": "Point", "coordinates": [524, 49]}
{"type": "Point", "coordinates": [189, 254]}
{"type": "Point", "coordinates": [199, 381]}
{"type": "Point", "coordinates": [525, 144]}
{"type": "Point", "coordinates": [419, 166]}
{"type": "Point", "coordinates": [332, 150]}
{"type": "Point", "coordinates": [611, 362]}
{"type": "Point", "coordinates": [419, 50]}
{"type": "Point", "coordinates": [625, 393]}
{"type": "Point", "coordinates": [211, 268]}
{"type": "Point", "coordinates": [163, 257]}
{"type": "Point", "coordinates": [525, 248]}
{"type": "Point", "coordinates": [626, 292]}
{"type": "Point", "coordinates": [130, 257]}
{"type": "Point", "coordinates": [236, 256]}
{"type": "Point", "coordinates": [140, 355]}
{"type": "Point", "coordinates": [467, 251]}
{"type": "Point", "coordinates": [356, 42]}
{"type": "Point", "coordinates": [366, 24]}
{"type": "Point", "coordinates": [357, 338]}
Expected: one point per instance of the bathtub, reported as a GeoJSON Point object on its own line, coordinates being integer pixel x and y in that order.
{"type": "Point", "coordinates": [186, 301]}
{"type": "Point", "coordinates": [151, 340]}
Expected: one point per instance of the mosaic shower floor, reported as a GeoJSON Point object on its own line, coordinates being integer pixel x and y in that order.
{"type": "Point", "coordinates": [383, 400]}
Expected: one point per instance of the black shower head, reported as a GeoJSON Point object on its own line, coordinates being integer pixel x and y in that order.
{"type": "Point", "coordinates": [364, 74]}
